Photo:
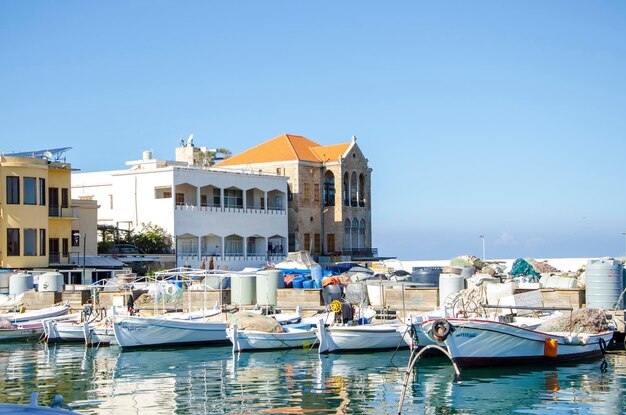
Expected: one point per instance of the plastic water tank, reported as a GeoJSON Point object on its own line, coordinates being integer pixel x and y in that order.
{"type": "Point", "coordinates": [605, 281]}
{"type": "Point", "coordinates": [426, 275]}
{"type": "Point", "coordinates": [50, 281]}
{"type": "Point", "coordinates": [556, 281]}
{"type": "Point", "coordinates": [4, 282]}
{"type": "Point", "coordinates": [450, 284]}
{"type": "Point", "coordinates": [243, 289]}
{"type": "Point", "coordinates": [317, 274]}
{"type": "Point", "coordinates": [267, 282]}
{"type": "Point", "coordinates": [20, 283]}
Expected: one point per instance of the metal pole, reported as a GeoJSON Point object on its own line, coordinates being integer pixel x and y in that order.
{"type": "Point", "coordinates": [483, 238]}
{"type": "Point", "coordinates": [84, 257]}
{"type": "Point", "coordinates": [624, 233]}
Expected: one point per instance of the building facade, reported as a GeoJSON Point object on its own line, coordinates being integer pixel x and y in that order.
{"type": "Point", "coordinates": [228, 218]}
{"type": "Point", "coordinates": [37, 215]}
{"type": "Point", "coordinates": [329, 192]}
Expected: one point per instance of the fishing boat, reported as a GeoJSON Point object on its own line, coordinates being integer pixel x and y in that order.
{"type": "Point", "coordinates": [35, 315]}
{"type": "Point", "coordinates": [340, 338]}
{"type": "Point", "coordinates": [33, 408]}
{"type": "Point", "coordinates": [476, 342]}
{"type": "Point", "coordinates": [134, 331]}
{"type": "Point", "coordinates": [292, 336]}
{"type": "Point", "coordinates": [20, 333]}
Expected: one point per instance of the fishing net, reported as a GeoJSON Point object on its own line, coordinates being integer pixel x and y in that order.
{"type": "Point", "coordinates": [583, 320]}
{"type": "Point", "coordinates": [6, 324]}
{"type": "Point", "coordinates": [253, 321]}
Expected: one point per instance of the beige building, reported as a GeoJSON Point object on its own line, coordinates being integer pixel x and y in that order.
{"type": "Point", "coordinates": [329, 193]}
{"type": "Point", "coordinates": [37, 217]}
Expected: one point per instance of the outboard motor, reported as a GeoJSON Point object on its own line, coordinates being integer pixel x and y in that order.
{"type": "Point", "coordinates": [331, 292]}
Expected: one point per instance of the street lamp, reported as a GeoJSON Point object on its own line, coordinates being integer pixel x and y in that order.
{"type": "Point", "coordinates": [84, 243]}
{"type": "Point", "coordinates": [483, 238]}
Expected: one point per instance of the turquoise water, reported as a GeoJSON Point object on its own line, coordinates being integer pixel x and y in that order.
{"type": "Point", "coordinates": [208, 380]}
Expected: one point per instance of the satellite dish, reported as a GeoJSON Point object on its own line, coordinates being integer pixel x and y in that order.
{"type": "Point", "coordinates": [190, 140]}
{"type": "Point", "coordinates": [47, 154]}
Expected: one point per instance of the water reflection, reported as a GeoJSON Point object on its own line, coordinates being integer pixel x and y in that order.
{"type": "Point", "coordinates": [212, 380]}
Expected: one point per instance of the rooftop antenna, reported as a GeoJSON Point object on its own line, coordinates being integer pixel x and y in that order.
{"type": "Point", "coordinates": [190, 140]}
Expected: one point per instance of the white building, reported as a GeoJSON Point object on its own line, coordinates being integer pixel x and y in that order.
{"type": "Point", "coordinates": [235, 218]}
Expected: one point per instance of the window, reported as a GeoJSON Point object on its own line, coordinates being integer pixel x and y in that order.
{"type": "Point", "coordinates": [330, 242]}
{"type": "Point", "coordinates": [167, 195]}
{"type": "Point", "coordinates": [13, 242]}
{"type": "Point", "coordinates": [65, 198]}
{"type": "Point", "coordinates": [13, 190]}
{"type": "Point", "coordinates": [316, 192]}
{"type": "Point", "coordinates": [42, 242]}
{"type": "Point", "coordinates": [30, 191]}
{"type": "Point", "coordinates": [203, 200]}
{"type": "Point", "coordinates": [329, 189]}
{"type": "Point", "coordinates": [180, 198]}
{"type": "Point", "coordinates": [307, 241]}
{"type": "Point", "coordinates": [317, 243]}
{"type": "Point", "coordinates": [289, 193]}
{"type": "Point", "coordinates": [42, 192]}
{"type": "Point", "coordinates": [346, 234]}
{"type": "Point", "coordinates": [307, 192]}
{"type": "Point", "coordinates": [217, 198]}
{"type": "Point", "coordinates": [30, 242]}
{"type": "Point", "coordinates": [233, 198]}
{"type": "Point", "coordinates": [66, 247]}
{"type": "Point", "coordinates": [75, 238]}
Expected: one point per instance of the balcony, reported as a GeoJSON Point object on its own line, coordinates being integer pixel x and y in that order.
{"type": "Point", "coordinates": [62, 212]}
{"type": "Point", "coordinates": [361, 252]}
{"type": "Point", "coordinates": [58, 259]}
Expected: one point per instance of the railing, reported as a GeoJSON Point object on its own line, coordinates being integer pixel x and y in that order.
{"type": "Point", "coordinates": [61, 212]}
{"type": "Point", "coordinates": [254, 209]}
{"type": "Point", "coordinates": [276, 211]}
{"type": "Point", "coordinates": [211, 208]}
{"type": "Point", "coordinates": [361, 252]}
{"type": "Point", "coordinates": [58, 259]}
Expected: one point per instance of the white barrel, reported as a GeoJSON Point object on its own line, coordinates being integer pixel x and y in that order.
{"type": "Point", "coordinates": [4, 282]}
{"type": "Point", "coordinates": [557, 281]}
{"type": "Point", "coordinates": [449, 284]}
{"type": "Point", "coordinates": [243, 289]}
{"type": "Point", "coordinates": [267, 284]}
{"type": "Point", "coordinates": [50, 281]}
{"type": "Point", "coordinates": [20, 283]}
{"type": "Point", "coordinates": [604, 283]}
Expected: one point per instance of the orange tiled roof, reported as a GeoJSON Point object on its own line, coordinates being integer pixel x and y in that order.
{"type": "Point", "coordinates": [286, 147]}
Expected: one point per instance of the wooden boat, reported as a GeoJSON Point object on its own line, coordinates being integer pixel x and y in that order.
{"type": "Point", "coordinates": [20, 333]}
{"type": "Point", "coordinates": [33, 408]}
{"type": "Point", "coordinates": [35, 315]}
{"type": "Point", "coordinates": [340, 338]}
{"type": "Point", "coordinates": [133, 331]}
{"type": "Point", "coordinates": [293, 336]}
{"type": "Point", "coordinates": [475, 343]}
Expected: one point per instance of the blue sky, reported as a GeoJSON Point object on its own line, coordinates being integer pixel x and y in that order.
{"type": "Point", "coordinates": [500, 118]}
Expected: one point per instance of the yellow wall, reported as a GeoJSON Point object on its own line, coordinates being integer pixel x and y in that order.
{"type": "Point", "coordinates": [24, 216]}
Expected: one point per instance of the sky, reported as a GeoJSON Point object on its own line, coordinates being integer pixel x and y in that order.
{"type": "Point", "coordinates": [502, 119]}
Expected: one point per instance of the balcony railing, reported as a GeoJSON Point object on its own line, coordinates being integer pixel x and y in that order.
{"type": "Point", "coordinates": [61, 212]}
{"type": "Point", "coordinates": [361, 252]}
{"type": "Point", "coordinates": [58, 259]}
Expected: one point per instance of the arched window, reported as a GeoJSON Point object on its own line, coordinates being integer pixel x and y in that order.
{"type": "Point", "coordinates": [346, 189]}
{"type": "Point", "coordinates": [361, 190]}
{"type": "Point", "coordinates": [355, 234]}
{"type": "Point", "coordinates": [329, 188]}
{"type": "Point", "coordinates": [346, 235]}
{"type": "Point", "coordinates": [362, 234]}
{"type": "Point", "coordinates": [353, 190]}
{"type": "Point", "coordinates": [233, 245]}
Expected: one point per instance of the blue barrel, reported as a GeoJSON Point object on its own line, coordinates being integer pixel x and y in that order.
{"type": "Point", "coordinates": [605, 281]}
{"type": "Point", "coordinates": [297, 282]}
{"type": "Point", "coordinates": [308, 283]}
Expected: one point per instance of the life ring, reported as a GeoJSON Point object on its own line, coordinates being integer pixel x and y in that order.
{"type": "Point", "coordinates": [171, 289]}
{"type": "Point", "coordinates": [441, 329]}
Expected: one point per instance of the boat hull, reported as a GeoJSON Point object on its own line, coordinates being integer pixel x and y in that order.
{"type": "Point", "coordinates": [145, 332]}
{"type": "Point", "coordinates": [334, 339]}
{"type": "Point", "coordinates": [250, 340]}
{"type": "Point", "coordinates": [478, 343]}
{"type": "Point", "coordinates": [7, 335]}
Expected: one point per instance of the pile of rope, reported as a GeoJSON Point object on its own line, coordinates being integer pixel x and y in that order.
{"type": "Point", "coordinates": [583, 320]}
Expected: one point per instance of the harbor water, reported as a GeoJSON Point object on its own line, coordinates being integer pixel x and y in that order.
{"type": "Point", "coordinates": [210, 380]}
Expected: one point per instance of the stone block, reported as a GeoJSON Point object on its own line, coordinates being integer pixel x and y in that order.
{"type": "Point", "coordinates": [35, 300]}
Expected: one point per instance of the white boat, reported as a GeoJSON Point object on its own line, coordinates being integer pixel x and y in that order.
{"type": "Point", "coordinates": [293, 336]}
{"type": "Point", "coordinates": [133, 331]}
{"type": "Point", "coordinates": [339, 338]}
{"type": "Point", "coordinates": [35, 315]}
{"type": "Point", "coordinates": [33, 408]}
{"type": "Point", "coordinates": [20, 333]}
{"type": "Point", "coordinates": [474, 343]}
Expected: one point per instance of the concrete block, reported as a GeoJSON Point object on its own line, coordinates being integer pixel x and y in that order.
{"type": "Point", "coordinates": [35, 300]}
{"type": "Point", "coordinates": [294, 297]}
{"type": "Point", "coordinates": [206, 299]}
{"type": "Point", "coordinates": [76, 298]}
